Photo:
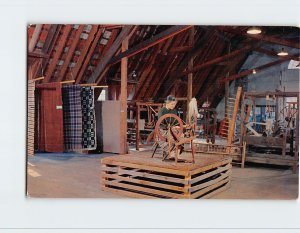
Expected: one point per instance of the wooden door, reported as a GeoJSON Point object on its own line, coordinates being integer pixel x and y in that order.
{"type": "Point", "coordinates": [50, 136]}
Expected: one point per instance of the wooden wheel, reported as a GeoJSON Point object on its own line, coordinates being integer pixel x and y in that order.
{"type": "Point", "coordinates": [169, 123]}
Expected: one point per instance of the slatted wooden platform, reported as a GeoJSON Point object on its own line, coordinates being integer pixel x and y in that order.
{"type": "Point", "coordinates": [140, 176]}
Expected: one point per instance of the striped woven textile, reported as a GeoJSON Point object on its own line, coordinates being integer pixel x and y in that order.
{"type": "Point", "coordinates": [88, 119]}
{"type": "Point", "coordinates": [72, 114]}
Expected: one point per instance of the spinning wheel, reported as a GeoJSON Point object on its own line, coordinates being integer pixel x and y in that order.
{"type": "Point", "coordinates": [169, 128]}
{"type": "Point", "coordinates": [170, 124]}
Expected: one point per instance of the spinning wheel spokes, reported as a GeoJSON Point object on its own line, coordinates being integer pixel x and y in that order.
{"type": "Point", "coordinates": [168, 123]}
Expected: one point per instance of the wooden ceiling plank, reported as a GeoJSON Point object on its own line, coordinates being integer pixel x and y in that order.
{"type": "Point", "coordinates": [250, 71]}
{"type": "Point", "coordinates": [89, 56]}
{"type": "Point", "coordinates": [60, 47]}
{"type": "Point", "coordinates": [70, 53]}
{"type": "Point", "coordinates": [170, 32]}
{"type": "Point", "coordinates": [261, 37]}
{"type": "Point", "coordinates": [109, 54]}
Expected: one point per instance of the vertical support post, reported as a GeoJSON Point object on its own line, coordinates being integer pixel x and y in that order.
{"type": "Point", "coordinates": [276, 110]}
{"type": "Point", "coordinates": [254, 113]}
{"type": "Point", "coordinates": [226, 97]}
{"type": "Point", "coordinates": [190, 67]}
{"type": "Point", "coordinates": [242, 120]}
{"type": "Point", "coordinates": [123, 100]}
{"type": "Point", "coordinates": [187, 186]}
{"type": "Point", "coordinates": [137, 131]}
{"type": "Point", "coordinates": [296, 132]}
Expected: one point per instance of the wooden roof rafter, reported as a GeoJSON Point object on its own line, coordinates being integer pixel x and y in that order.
{"type": "Point", "coordinates": [218, 59]}
{"type": "Point", "coordinates": [83, 54]}
{"type": "Point", "coordinates": [109, 54]}
{"type": "Point", "coordinates": [70, 53]}
{"type": "Point", "coordinates": [250, 71]}
{"type": "Point", "coordinates": [182, 65]}
{"type": "Point", "coordinates": [163, 73]}
{"type": "Point", "coordinates": [199, 47]}
{"type": "Point", "coordinates": [262, 37]}
{"type": "Point", "coordinates": [34, 39]}
{"type": "Point", "coordinates": [216, 48]}
{"type": "Point", "coordinates": [170, 32]}
{"type": "Point", "coordinates": [57, 53]}
{"type": "Point", "coordinates": [79, 70]}
{"type": "Point", "coordinates": [271, 53]}
{"type": "Point", "coordinates": [103, 50]}
{"type": "Point", "coordinates": [146, 68]}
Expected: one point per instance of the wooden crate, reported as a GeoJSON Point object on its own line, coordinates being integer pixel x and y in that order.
{"type": "Point", "coordinates": [144, 177]}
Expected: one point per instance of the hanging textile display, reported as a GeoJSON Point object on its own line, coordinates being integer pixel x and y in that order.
{"type": "Point", "coordinates": [88, 118]}
{"type": "Point", "coordinates": [72, 113]}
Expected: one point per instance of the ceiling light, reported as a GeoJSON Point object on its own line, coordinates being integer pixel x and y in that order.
{"type": "Point", "coordinates": [254, 30]}
{"type": "Point", "coordinates": [282, 53]}
{"type": "Point", "coordinates": [253, 71]}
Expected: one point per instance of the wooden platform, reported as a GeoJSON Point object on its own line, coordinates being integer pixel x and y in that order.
{"type": "Point", "coordinates": [141, 176]}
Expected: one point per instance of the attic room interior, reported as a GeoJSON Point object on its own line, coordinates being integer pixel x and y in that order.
{"type": "Point", "coordinates": [162, 111]}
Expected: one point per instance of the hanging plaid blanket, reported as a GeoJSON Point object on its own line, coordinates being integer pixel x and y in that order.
{"type": "Point", "coordinates": [88, 118]}
{"type": "Point", "coordinates": [72, 114]}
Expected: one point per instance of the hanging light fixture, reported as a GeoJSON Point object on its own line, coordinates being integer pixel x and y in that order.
{"type": "Point", "coordinates": [282, 53]}
{"type": "Point", "coordinates": [254, 30]}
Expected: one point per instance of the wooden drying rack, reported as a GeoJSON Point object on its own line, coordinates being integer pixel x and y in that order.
{"type": "Point", "coordinates": [73, 81]}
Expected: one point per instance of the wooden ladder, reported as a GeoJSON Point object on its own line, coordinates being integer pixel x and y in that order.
{"type": "Point", "coordinates": [231, 112]}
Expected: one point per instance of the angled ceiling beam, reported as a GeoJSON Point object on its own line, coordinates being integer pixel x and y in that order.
{"type": "Point", "coordinates": [57, 53]}
{"type": "Point", "coordinates": [88, 56]}
{"type": "Point", "coordinates": [50, 39]}
{"type": "Point", "coordinates": [170, 32]}
{"type": "Point", "coordinates": [217, 60]}
{"type": "Point", "coordinates": [83, 53]}
{"type": "Point", "coordinates": [198, 49]}
{"type": "Point", "coordinates": [270, 53]}
{"type": "Point", "coordinates": [266, 51]}
{"type": "Point", "coordinates": [104, 49]}
{"type": "Point", "coordinates": [35, 37]}
{"type": "Point", "coordinates": [248, 72]}
{"type": "Point", "coordinates": [37, 55]}
{"type": "Point", "coordinates": [265, 38]}
{"type": "Point", "coordinates": [70, 53]}
{"type": "Point", "coordinates": [206, 41]}
{"type": "Point", "coordinates": [109, 54]}
{"type": "Point", "coordinates": [181, 49]}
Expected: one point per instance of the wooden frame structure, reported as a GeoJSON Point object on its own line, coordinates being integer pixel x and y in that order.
{"type": "Point", "coordinates": [146, 111]}
{"type": "Point", "coordinates": [291, 159]}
